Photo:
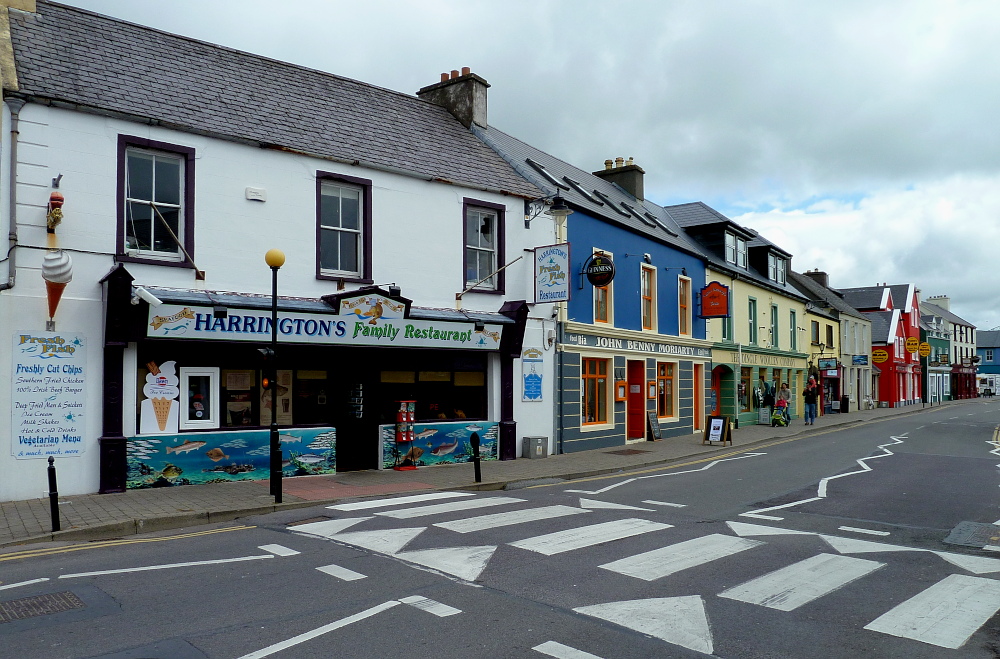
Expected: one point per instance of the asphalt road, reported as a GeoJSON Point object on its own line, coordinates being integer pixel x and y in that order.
{"type": "Point", "coordinates": [829, 545]}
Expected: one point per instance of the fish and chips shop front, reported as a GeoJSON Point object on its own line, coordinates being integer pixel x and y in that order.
{"type": "Point", "coordinates": [195, 410]}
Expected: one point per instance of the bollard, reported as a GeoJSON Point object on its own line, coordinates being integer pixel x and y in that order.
{"type": "Point", "coordinates": [53, 494]}
{"type": "Point", "coordinates": [474, 441]}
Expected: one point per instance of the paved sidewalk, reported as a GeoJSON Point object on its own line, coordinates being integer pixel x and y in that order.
{"type": "Point", "coordinates": [104, 516]}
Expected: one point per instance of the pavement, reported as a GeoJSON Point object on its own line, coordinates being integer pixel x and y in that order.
{"type": "Point", "coordinates": [108, 516]}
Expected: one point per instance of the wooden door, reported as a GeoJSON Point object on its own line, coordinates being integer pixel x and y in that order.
{"type": "Point", "coordinates": [635, 404]}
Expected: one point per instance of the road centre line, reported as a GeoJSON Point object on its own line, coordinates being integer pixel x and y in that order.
{"type": "Point", "coordinates": [23, 583]}
{"type": "Point", "coordinates": [166, 567]}
{"type": "Point", "coordinates": [675, 473]}
{"type": "Point", "coordinates": [36, 553]}
{"type": "Point", "coordinates": [665, 503]}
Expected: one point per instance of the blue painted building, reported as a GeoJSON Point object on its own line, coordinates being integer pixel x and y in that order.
{"type": "Point", "coordinates": [633, 361]}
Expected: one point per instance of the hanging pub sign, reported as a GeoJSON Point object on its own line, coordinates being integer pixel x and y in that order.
{"type": "Point", "coordinates": [600, 269]}
{"type": "Point", "coordinates": [714, 301]}
{"type": "Point", "coordinates": [827, 363]}
{"type": "Point", "coordinates": [552, 273]}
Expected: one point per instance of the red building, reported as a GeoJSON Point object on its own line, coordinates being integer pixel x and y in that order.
{"type": "Point", "coordinates": [895, 315]}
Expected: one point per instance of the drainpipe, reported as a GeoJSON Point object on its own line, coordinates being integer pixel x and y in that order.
{"type": "Point", "coordinates": [15, 105]}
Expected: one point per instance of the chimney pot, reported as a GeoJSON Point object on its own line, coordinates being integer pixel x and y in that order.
{"type": "Point", "coordinates": [454, 73]}
{"type": "Point", "coordinates": [444, 77]}
{"type": "Point", "coordinates": [619, 161]}
{"type": "Point", "coordinates": [608, 164]}
{"type": "Point", "coordinates": [627, 176]}
{"type": "Point", "coordinates": [466, 70]}
{"type": "Point", "coordinates": [630, 161]}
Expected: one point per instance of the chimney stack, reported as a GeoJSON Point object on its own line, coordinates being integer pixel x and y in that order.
{"type": "Point", "coordinates": [461, 93]}
{"type": "Point", "coordinates": [627, 175]}
{"type": "Point", "coordinates": [819, 277]}
{"type": "Point", "coordinates": [942, 301]}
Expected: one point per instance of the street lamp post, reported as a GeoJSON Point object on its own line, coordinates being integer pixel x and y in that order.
{"type": "Point", "coordinates": [274, 258]}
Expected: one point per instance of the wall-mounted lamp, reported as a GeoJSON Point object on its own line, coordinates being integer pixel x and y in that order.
{"type": "Point", "coordinates": [219, 311]}
{"type": "Point", "coordinates": [558, 210]}
{"type": "Point", "coordinates": [480, 326]}
{"type": "Point", "coordinates": [141, 294]}
{"type": "Point", "coordinates": [684, 271]}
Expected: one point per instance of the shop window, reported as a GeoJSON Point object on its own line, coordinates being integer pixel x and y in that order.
{"type": "Point", "coordinates": [484, 248]}
{"type": "Point", "coordinates": [648, 297]}
{"type": "Point", "coordinates": [199, 408]}
{"type": "Point", "coordinates": [343, 228]}
{"type": "Point", "coordinates": [155, 202]}
{"type": "Point", "coordinates": [665, 389]}
{"type": "Point", "coordinates": [239, 387]}
{"type": "Point", "coordinates": [744, 390]}
{"type": "Point", "coordinates": [594, 387]}
{"type": "Point", "coordinates": [439, 395]}
{"type": "Point", "coordinates": [683, 306]}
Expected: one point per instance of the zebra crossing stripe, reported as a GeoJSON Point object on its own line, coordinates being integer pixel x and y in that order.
{"type": "Point", "coordinates": [946, 614]}
{"type": "Point", "coordinates": [341, 572]}
{"type": "Point", "coordinates": [586, 536]}
{"type": "Point", "coordinates": [398, 501]}
{"type": "Point", "coordinates": [663, 562]}
{"type": "Point", "coordinates": [800, 583]}
{"type": "Point", "coordinates": [495, 520]}
{"type": "Point", "coordinates": [450, 507]}
{"type": "Point", "coordinates": [430, 606]}
{"type": "Point", "coordinates": [560, 651]}
{"type": "Point", "coordinates": [678, 620]}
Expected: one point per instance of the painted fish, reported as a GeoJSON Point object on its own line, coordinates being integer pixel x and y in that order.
{"type": "Point", "coordinates": [309, 458]}
{"type": "Point", "coordinates": [289, 439]}
{"type": "Point", "coordinates": [473, 428]}
{"type": "Point", "coordinates": [444, 449]}
{"type": "Point", "coordinates": [425, 433]}
{"type": "Point", "coordinates": [216, 454]}
{"type": "Point", "coordinates": [172, 471]}
{"type": "Point", "coordinates": [413, 454]}
{"type": "Point", "coordinates": [185, 447]}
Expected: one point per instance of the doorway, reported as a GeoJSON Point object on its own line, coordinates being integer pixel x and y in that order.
{"type": "Point", "coordinates": [635, 404]}
{"type": "Point", "coordinates": [699, 395]}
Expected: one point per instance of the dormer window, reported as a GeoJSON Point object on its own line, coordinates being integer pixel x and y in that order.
{"type": "Point", "coordinates": [776, 268]}
{"type": "Point", "coordinates": [736, 250]}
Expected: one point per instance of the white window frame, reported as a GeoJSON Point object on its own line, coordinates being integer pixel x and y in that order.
{"type": "Point", "coordinates": [682, 282]}
{"type": "Point", "coordinates": [651, 271]}
{"type": "Point", "coordinates": [177, 254]}
{"type": "Point", "coordinates": [326, 184]}
{"type": "Point", "coordinates": [213, 421]}
{"type": "Point", "coordinates": [736, 250]}
{"type": "Point", "coordinates": [611, 297]}
{"type": "Point", "coordinates": [494, 251]}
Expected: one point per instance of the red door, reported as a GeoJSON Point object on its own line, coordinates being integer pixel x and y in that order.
{"type": "Point", "coordinates": [635, 405]}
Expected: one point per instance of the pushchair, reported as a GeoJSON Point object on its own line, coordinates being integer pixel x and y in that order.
{"type": "Point", "coordinates": [778, 419]}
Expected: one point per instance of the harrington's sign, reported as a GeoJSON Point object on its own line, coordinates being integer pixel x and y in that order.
{"type": "Point", "coordinates": [552, 273]}
{"type": "Point", "coordinates": [358, 329]}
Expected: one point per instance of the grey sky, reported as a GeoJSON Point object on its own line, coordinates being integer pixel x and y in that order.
{"type": "Point", "coordinates": [860, 136]}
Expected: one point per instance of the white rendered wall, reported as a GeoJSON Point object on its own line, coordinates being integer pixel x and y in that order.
{"type": "Point", "coordinates": [417, 243]}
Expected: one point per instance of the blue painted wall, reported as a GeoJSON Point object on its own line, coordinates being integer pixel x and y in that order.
{"type": "Point", "coordinates": [587, 233]}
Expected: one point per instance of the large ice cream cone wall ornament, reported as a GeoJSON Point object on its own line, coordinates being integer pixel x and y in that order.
{"type": "Point", "coordinates": [57, 271]}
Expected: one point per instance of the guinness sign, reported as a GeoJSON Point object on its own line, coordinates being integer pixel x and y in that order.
{"type": "Point", "coordinates": [600, 269]}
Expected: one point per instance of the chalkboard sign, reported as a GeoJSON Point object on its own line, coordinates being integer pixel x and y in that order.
{"type": "Point", "coordinates": [654, 425]}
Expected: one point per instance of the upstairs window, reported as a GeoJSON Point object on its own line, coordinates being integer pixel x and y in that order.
{"type": "Point", "coordinates": [814, 332]}
{"type": "Point", "coordinates": [829, 336]}
{"type": "Point", "coordinates": [648, 296]}
{"type": "Point", "coordinates": [483, 245]}
{"type": "Point", "coordinates": [793, 342]}
{"type": "Point", "coordinates": [774, 326]}
{"type": "Point", "coordinates": [343, 228]}
{"type": "Point", "coordinates": [989, 354]}
{"type": "Point", "coordinates": [604, 299]}
{"type": "Point", "coordinates": [752, 311]}
{"type": "Point", "coordinates": [683, 306]}
{"type": "Point", "coordinates": [776, 268]}
{"type": "Point", "coordinates": [736, 250]}
{"type": "Point", "coordinates": [156, 195]}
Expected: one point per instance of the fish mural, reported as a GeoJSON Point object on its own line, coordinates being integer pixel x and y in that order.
{"type": "Point", "coordinates": [452, 445]}
{"type": "Point", "coordinates": [210, 457]}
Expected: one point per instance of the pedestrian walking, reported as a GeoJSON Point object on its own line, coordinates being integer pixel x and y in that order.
{"type": "Point", "coordinates": [784, 400]}
{"type": "Point", "coordinates": [809, 395]}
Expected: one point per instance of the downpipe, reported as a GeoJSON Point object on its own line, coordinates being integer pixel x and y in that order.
{"type": "Point", "coordinates": [15, 105]}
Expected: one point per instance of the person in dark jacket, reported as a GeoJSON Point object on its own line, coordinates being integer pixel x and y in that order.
{"type": "Point", "coordinates": [809, 395]}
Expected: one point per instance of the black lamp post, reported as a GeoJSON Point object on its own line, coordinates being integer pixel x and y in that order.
{"type": "Point", "coordinates": [274, 258]}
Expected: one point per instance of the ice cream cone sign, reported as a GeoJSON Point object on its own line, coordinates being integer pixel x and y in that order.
{"type": "Point", "coordinates": [57, 271]}
{"type": "Point", "coordinates": [54, 215]}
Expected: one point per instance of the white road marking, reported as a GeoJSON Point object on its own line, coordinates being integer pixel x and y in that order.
{"type": "Point", "coordinates": [453, 506]}
{"type": "Point", "coordinates": [992, 547]}
{"type": "Point", "coordinates": [672, 473]}
{"type": "Point", "coordinates": [386, 541]}
{"type": "Point", "coordinates": [594, 504]}
{"type": "Point", "coordinates": [974, 564]}
{"type": "Point", "coordinates": [946, 614]}
{"type": "Point", "coordinates": [329, 528]}
{"type": "Point", "coordinates": [165, 567]}
{"type": "Point", "coordinates": [743, 529]}
{"type": "Point", "coordinates": [821, 490]}
{"type": "Point", "coordinates": [495, 520]}
{"type": "Point", "coordinates": [23, 583]}
{"type": "Point", "coordinates": [664, 503]}
{"type": "Point", "coordinates": [800, 583]}
{"type": "Point", "coordinates": [463, 562]}
{"type": "Point", "coordinates": [770, 517]}
{"type": "Point", "coordinates": [319, 631]}
{"type": "Point", "coordinates": [430, 606]}
{"type": "Point", "coordinates": [663, 562]}
{"type": "Point", "coordinates": [855, 546]}
{"type": "Point", "coordinates": [279, 550]}
{"type": "Point", "coordinates": [866, 531]}
{"type": "Point", "coordinates": [341, 572]}
{"type": "Point", "coordinates": [586, 536]}
{"type": "Point", "coordinates": [398, 501]}
{"type": "Point", "coordinates": [678, 620]}
{"type": "Point", "coordinates": [560, 651]}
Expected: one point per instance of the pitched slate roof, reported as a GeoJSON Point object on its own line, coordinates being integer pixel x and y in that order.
{"type": "Point", "coordinates": [988, 339]}
{"type": "Point", "coordinates": [592, 194]}
{"type": "Point", "coordinates": [866, 297]}
{"type": "Point", "coordinates": [816, 291]}
{"type": "Point", "coordinates": [881, 325]}
{"type": "Point", "coordinates": [697, 213]}
{"type": "Point", "coordinates": [944, 313]}
{"type": "Point", "coordinates": [83, 60]}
